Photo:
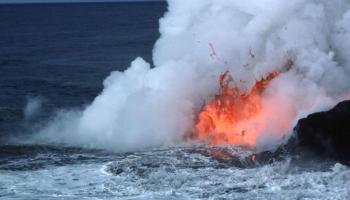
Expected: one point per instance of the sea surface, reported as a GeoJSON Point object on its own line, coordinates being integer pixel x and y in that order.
{"type": "Point", "coordinates": [59, 55]}
{"type": "Point", "coordinates": [63, 52]}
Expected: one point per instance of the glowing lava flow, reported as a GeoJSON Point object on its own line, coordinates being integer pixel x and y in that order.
{"type": "Point", "coordinates": [229, 118]}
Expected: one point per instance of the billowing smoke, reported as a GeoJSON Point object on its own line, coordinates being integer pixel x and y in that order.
{"type": "Point", "coordinates": [145, 107]}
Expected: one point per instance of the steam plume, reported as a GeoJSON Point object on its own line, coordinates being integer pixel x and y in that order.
{"type": "Point", "coordinates": [144, 107]}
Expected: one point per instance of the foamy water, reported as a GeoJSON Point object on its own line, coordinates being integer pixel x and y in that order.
{"type": "Point", "coordinates": [170, 173]}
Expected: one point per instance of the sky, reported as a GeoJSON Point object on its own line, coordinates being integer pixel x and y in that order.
{"type": "Point", "coordinates": [55, 1]}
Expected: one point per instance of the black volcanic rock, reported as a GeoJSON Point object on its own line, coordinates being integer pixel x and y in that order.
{"type": "Point", "coordinates": [327, 133]}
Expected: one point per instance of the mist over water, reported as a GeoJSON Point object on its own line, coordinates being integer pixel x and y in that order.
{"type": "Point", "coordinates": [33, 107]}
{"type": "Point", "coordinates": [146, 106]}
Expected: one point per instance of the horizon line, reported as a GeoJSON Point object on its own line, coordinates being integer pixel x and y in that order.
{"type": "Point", "coordinates": [81, 1]}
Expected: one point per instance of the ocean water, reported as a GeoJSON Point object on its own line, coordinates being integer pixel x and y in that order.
{"type": "Point", "coordinates": [59, 54]}
{"type": "Point", "coordinates": [63, 52]}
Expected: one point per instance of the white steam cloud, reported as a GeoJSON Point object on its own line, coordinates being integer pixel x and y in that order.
{"type": "Point", "coordinates": [144, 107]}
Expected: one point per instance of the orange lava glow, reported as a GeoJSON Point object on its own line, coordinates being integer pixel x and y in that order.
{"type": "Point", "coordinates": [232, 116]}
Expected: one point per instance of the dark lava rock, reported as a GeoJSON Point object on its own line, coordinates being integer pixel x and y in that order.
{"type": "Point", "coordinates": [327, 133]}
{"type": "Point", "coordinates": [226, 158]}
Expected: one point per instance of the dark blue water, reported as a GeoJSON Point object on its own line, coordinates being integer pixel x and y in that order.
{"type": "Point", "coordinates": [62, 52]}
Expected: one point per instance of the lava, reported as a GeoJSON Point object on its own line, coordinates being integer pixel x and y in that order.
{"type": "Point", "coordinates": [233, 116]}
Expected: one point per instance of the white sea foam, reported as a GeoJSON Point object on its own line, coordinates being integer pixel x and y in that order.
{"type": "Point", "coordinates": [175, 174]}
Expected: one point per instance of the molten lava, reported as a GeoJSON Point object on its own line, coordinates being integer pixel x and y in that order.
{"type": "Point", "coordinates": [232, 116]}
